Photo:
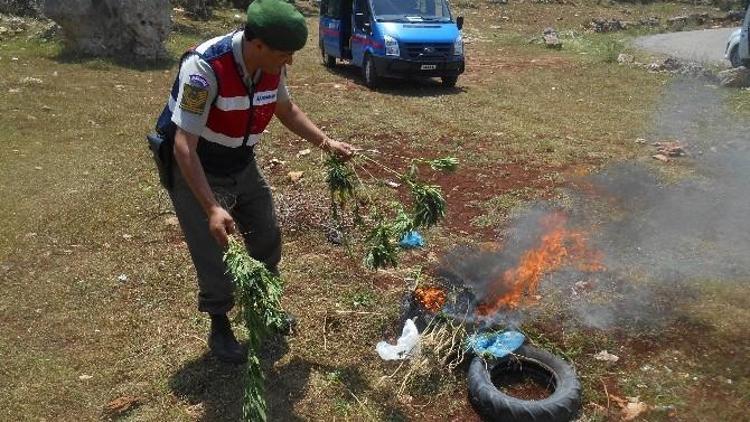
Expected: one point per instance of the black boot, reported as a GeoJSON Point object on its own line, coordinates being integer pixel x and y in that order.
{"type": "Point", "coordinates": [222, 342]}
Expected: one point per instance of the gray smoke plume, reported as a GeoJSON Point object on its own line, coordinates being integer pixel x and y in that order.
{"type": "Point", "coordinates": [659, 238]}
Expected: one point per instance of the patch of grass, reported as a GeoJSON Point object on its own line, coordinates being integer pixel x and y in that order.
{"type": "Point", "coordinates": [363, 299]}
{"type": "Point", "coordinates": [497, 209]}
{"type": "Point", "coordinates": [601, 47]}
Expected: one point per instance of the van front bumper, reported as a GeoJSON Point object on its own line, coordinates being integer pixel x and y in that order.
{"type": "Point", "coordinates": [403, 68]}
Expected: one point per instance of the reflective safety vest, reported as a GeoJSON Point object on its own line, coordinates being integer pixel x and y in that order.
{"type": "Point", "coordinates": [234, 125]}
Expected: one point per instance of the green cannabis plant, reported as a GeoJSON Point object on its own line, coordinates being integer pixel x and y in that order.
{"type": "Point", "coordinates": [382, 238]}
{"type": "Point", "coordinates": [258, 295]}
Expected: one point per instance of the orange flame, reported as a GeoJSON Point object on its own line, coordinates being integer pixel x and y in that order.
{"type": "Point", "coordinates": [557, 247]}
{"type": "Point", "coordinates": [431, 298]}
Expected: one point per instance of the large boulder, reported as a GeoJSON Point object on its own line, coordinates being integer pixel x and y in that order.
{"type": "Point", "coordinates": [30, 8]}
{"type": "Point", "coordinates": [125, 29]}
{"type": "Point", "coordinates": [200, 9]}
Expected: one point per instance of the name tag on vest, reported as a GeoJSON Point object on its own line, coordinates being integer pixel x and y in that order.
{"type": "Point", "coordinates": [264, 97]}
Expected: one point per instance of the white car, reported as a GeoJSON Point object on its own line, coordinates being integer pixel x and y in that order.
{"type": "Point", "coordinates": [737, 51]}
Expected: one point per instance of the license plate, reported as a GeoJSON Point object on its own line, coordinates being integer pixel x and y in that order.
{"type": "Point", "coordinates": [428, 67]}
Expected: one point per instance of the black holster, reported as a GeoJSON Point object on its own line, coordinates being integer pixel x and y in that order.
{"type": "Point", "coordinates": [161, 149]}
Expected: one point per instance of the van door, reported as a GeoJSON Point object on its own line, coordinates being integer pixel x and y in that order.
{"type": "Point", "coordinates": [330, 26]}
{"type": "Point", "coordinates": [744, 48]}
{"type": "Point", "coordinates": [362, 29]}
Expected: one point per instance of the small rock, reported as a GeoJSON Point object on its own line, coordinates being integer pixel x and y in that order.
{"type": "Point", "coordinates": [661, 157]}
{"type": "Point", "coordinates": [303, 152]}
{"type": "Point", "coordinates": [634, 409]}
{"type": "Point", "coordinates": [641, 141]}
{"type": "Point", "coordinates": [85, 377]}
{"type": "Point", "coordinates": [46, 108]}
{"type": "Point", "coordinates": [335, 236]}
{"type": "Point", "coordinates": [172, 221]}
{"type": "Point", "coordinates": [392, 184]}
{"type": "Point", "coordinates": [605, 356]}
{"type": "Point", "coordinates": [274, 162]}
{"type": "Point", "coordinates": [28, 80]}
{"type": "Point", "coordinates": [121, 405]}
{"type": "Point", "coordinates": [670, 148]}
{"type": "Point", "coordinates": [551, 39]}
{"type": "Point", "coordinates": [122, 278]}
{"type": "Point", "coordinates": [625, 58]}
{"type": "Point", "coordinates": [14, 90]}
{"type": "Point", "coordinates": [295, 176]}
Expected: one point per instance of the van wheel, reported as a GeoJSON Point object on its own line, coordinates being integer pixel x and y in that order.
{"type": "Point", "coordinates": [449, 81]}
{"type": "Point", "coordinates": [328, 60]}
{"type": "Point", "coordinates": [734, 57]}
{"type": "Point", "coordinates": [370, 75]}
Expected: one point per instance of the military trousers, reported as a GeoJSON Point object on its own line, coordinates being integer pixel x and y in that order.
{"type": "Point", "coordinates": [247, 197]}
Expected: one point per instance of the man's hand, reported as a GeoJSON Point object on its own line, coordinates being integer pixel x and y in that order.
{"type": "Point", "coordinates": [340, 149]}
{"type": "Point", "coordinates": [221, 225]}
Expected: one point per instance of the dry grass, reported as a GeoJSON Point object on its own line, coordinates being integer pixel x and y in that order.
{"type": "Point", "coordinates": [82, 207]}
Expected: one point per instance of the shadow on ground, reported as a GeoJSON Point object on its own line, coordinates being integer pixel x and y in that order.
{"type": "Point", "coordinates": [412, 87]}
{"type": "Point", "coordinates": [218, 387]}
{"type": "Point", "coordinates": [70, 56]}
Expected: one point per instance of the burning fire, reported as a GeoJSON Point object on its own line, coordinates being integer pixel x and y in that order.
{"type": "Point", "coordinates": [431, 298]}
{"type": "Point", "coordinates": [557, 247]}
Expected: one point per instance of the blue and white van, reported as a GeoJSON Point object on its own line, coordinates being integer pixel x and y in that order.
{"type": "Point", "coordinates": [393, 38]}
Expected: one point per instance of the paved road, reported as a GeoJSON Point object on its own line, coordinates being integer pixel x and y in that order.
{"type": "Point", "coordinates": [706, 46]}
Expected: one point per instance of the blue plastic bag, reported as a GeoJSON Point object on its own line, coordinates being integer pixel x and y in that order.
{"type": "Point", "coordinates": [411, 240]}
{"type": "Point", "coordinates": [496, 344]}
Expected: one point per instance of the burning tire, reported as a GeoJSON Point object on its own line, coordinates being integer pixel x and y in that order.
{"type": "Point", "coordinates": [494, 405]}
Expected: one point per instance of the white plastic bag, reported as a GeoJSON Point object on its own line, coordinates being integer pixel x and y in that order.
{"type": "Point", "coordinates": [406, 346]}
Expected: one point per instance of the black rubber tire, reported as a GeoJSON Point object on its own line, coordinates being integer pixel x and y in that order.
{"type": "Point", "coordinates": [369, 74]}
{"type": "Point", "coordinates": [561, 406]}
{"type": "Point", "coordinates": [734, 57]}
{"type": "Point", "coordinates": [449, 81]}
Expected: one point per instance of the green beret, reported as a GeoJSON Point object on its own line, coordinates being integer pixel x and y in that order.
{"type": "Point", "coordinates": [278, 24]}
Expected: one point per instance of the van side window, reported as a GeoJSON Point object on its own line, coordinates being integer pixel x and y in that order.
{"type": "Point", "coordinates": [360, 6]}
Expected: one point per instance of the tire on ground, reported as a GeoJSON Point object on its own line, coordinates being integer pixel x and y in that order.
{"type": "Point", "coordinates": [561, 406]}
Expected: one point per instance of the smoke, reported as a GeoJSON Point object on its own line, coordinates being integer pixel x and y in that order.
{"type": "Point", "coordinates": [659, 238]}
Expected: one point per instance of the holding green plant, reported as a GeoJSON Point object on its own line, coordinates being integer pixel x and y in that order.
{"type": "Point", "coordinates": [382, 239]}
{"type": "Point", "coordinates": [258, 295]}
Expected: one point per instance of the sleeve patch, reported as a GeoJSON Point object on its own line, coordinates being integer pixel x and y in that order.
{"type": "Point", "coordinates": [199, 81]}
{"type": "Point", "coordinates": [194, 99]}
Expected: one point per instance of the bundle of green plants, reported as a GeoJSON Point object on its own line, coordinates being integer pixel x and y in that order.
{"type": "Point", "coordinates": [258, 296]}
{"type": "Point", "coordinates": [387, 228]}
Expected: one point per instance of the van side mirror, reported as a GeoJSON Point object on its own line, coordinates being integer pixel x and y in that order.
{"type": "Point", "coordinates": [460, 22]}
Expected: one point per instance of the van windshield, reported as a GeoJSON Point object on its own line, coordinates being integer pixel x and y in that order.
{"type": "Point", "coordinates": [411, 10]}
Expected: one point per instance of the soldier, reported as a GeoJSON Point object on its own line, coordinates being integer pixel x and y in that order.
{"type": "Point", "coordinates": [226, 93]}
